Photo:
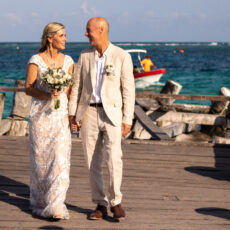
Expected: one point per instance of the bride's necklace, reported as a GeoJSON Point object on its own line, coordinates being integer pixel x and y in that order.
{"type": "Point", "coordinates": [52, 64]}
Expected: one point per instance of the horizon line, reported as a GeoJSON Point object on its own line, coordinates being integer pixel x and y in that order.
{"type": "Point", "coordinates": [124, 41]}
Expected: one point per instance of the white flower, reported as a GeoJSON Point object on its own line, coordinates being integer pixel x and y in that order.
{"type": "Point", "coordinates": [61, 81]}
{"type": "Point", "coordinates": [109, 70]}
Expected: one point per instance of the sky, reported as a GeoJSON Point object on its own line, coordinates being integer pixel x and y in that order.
{"type": "Point", "coordinates": [130, 20]}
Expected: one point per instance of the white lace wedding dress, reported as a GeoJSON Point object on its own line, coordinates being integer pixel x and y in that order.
{"type": "Point", "coordinates": [50, 148]}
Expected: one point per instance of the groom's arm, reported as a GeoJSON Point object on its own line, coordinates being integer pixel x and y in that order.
{"type": "Point", "coordinates": [128, 91]}
{"type": "Point", "coordinates": [76, 88]}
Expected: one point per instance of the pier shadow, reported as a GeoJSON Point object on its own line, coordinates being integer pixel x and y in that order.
{"type": "Point", "coordinates": [220, 171]}
{"type": "Point", "coordinates": [14, 193]}
{"type": "Point", "coordinates": [75, 208]}
{"type": "Point", "coordinates": [17, 193]}
{"type": "Point", "coordinates": [217, 212]}
{"type": "Point", "coordinates": [51, 227]}
{"type": "Point", "coordinates": [87, 212]}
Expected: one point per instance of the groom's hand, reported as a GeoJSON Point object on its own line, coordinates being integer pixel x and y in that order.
{"type": "Point", "coordinates": [125, 129]}
{"type": "Point", "coordinates": [71, 119]}
{"type": "Point", "coordinates": [74, 125]}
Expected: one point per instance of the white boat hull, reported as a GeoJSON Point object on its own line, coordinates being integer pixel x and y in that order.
{"type": "Point", "coordinates": [151, 80]}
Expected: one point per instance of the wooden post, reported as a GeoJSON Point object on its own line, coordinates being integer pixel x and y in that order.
{"type": "Point", "coordinates": [171, 87]}
{"type": "Point", "coordinates": [220, 106]}
{"type": "Point", "coordinates": [2, 97]}
{"type": "Point", "coordinates": [21, 105]}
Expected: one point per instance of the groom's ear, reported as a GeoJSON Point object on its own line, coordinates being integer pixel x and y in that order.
{"type": "Point", "coordinates": [101, 29]}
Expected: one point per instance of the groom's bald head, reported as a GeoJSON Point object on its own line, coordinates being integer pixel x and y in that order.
{"type": "Point", "coordinates": [100, 22]}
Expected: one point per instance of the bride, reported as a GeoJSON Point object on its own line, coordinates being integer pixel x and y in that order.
{"type": "Point", "coordinates": [50, 137]}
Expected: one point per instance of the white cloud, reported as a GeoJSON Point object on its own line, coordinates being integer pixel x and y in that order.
{"type": "Point", "coordinates": [84, 7]}
{"type": "Point", "coordinates": [12, 19]}
{"type": "Point", "coordinates": [89, 11]}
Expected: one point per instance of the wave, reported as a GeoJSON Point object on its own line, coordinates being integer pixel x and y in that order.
{"type": "Point", "coordinates": [124, 44]}
{"type": "Point", "coordinates": [172, 44]}
{"type": "Point", "coordinates": [134, 44]}
{"type": "Point", "coordinates": [213, 44]}
{"type": "Point", "coordinates": [143, 44]}
{"type": "Point", "coordinates": [193, 44]}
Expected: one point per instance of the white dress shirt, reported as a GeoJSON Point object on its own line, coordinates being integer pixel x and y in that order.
{"type": "Point", "coordinates": [99, 69]}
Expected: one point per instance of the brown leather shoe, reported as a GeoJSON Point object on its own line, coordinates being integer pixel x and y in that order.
{"type": "Point", "coordinates": [99, 213]}
{"type": "Point", "coordinates": [118, 212]}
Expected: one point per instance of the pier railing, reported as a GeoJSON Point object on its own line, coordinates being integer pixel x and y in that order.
{"type": "Point", "coordinates": [149, 95]}
{"type": "Point", "coordinates": [220, 119]}
{"type": "Point", "coordinates": [12, 89]}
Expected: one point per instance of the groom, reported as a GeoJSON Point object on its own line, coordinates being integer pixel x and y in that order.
{"type": "Point", "coordinates": [102, 102]}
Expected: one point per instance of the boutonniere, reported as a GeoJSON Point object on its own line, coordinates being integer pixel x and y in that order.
{"type": "Point", "coordinates": [109, 70]}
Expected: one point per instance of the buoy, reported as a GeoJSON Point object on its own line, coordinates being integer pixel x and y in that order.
{"type": "Point", "coordinates": [181, 51]}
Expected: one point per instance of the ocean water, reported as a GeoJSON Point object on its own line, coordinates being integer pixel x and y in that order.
{"type": "Point", "coordinates": [202, 69]}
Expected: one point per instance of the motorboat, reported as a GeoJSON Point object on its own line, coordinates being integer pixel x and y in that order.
{"type": "Point", "coordinates": [143, 78]}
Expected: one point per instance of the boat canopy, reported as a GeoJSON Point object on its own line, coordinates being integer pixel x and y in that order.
{"type": "Point", "coordinates": [137, 51]}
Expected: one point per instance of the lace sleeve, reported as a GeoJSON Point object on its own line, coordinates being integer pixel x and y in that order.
{"type": "Point", "coordinates": [69, 62]}
{"type": "Point", "coordinates": [34, 60]}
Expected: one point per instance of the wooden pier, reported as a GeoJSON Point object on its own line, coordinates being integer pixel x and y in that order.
{"type": "Point", "coordinates": [166, 185]}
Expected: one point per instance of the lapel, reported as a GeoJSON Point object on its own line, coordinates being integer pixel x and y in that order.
{"type": "Point", "coordinates": [92, 66]}
{"type": "Point", "coordinates": [108, 61]}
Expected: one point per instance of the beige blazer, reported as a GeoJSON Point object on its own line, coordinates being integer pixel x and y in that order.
{"type": "Point", "coordinates": [117, 90]}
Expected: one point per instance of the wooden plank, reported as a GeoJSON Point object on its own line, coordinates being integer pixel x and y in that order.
{"type": "Point", "coordinates": [12, 89]}
{"type": "Point", "coordinates": [186, 108]}
{"type": "Point", "coordinates": [192, 118]}
{"type": "Point", "coordinates": [174, 129]}
{"type": "Point", "coordinates": [164, 187]}
{"type": "Point", "coordinates": [147, 123]}
{"type": "Point", "coordinates": [183, 97]}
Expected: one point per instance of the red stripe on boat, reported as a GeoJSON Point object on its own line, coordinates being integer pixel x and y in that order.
{"type": "Point", "coordinates": [153, 72]}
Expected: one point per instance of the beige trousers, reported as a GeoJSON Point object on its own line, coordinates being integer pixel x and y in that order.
{"type": "Point", "coordinates": [100, 138]}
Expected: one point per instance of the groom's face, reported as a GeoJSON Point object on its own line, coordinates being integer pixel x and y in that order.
{"type": "Point", "coordinates": [93, 33]}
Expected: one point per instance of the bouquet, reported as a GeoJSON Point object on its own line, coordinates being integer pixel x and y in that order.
{"type": "Point", "coordinates": [57, 79]}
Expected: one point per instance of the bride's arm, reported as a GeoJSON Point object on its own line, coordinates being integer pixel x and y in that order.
{"type": "Point", "coordinates": [68, 88]}
{"type": "Point", "coordinates": [31, 77]}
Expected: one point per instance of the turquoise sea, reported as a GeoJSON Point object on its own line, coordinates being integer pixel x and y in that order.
{"type": "Point", "coordinates": [203, 68]}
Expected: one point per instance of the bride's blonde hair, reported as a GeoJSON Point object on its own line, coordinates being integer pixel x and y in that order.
{"type": "Point", "coordinates": [49, 31]}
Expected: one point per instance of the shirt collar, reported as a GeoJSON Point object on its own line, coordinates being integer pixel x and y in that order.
{"type": "Point", "coordinates": [105, 52]}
